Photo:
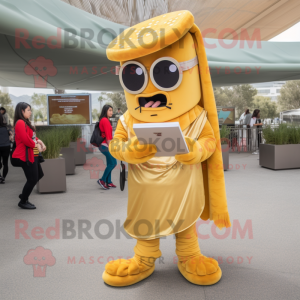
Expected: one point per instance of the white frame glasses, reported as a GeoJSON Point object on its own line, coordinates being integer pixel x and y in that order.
{"type": "Point", "coordinates": [181, 66]}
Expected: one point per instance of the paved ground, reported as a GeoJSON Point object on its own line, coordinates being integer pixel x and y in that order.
{"type": "Point", "coordinates": [263, 266]}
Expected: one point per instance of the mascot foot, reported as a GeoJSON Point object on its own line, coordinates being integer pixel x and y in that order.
{"type": "Point", "coordinates": [200, 270]}
{"type": "Point", "coordinates": [124, 272]}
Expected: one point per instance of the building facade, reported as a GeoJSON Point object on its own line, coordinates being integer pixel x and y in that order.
{"type": "Point", "coordinates": [269, 89]}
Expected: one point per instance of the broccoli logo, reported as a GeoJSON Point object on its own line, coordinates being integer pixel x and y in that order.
{"type": "Point", "coordinates": [39, 258]}
{"type": "Point", "coordinates": [94, 165]}
{"type": "Point", "coordinates": [40, 68]}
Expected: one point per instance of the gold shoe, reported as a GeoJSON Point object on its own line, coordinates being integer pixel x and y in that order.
{"type": "Point", "coordinates": [200, 270]}
{"type": "Point", "coordinates": [124, 272]}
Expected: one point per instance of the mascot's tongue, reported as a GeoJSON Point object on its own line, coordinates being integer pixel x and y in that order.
{"type": "Point", "coordinates": [150, 104]}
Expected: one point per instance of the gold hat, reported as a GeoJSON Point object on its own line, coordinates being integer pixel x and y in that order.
{"type": "Point", "coordinates": [150, 36]}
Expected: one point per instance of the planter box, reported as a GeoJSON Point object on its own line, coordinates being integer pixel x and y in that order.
{"type": "Point", "coordinates": [80, 152]}
{"type": "Point", "coordinates": [278, 157]}
{"type": "Point", "coordinates": [69, 156]}
{"type": "Point", "coordinates": [54, 179]}
{"type": "Point", "coordinates": [225, 155]}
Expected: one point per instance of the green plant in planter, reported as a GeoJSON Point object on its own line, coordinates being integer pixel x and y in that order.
{"type": "Point", "coordinates": [75, 133]}
{"type": "Point", "coordinates": [55, 138]}
{"type": "Point", "coordinates": [282, 135]}
{"type": "Point", "coordinates": [53, 141]}
{"type": "Point", "coordinates": [66, 134]}
{"type": "Point", "coordinates": [224, 134]}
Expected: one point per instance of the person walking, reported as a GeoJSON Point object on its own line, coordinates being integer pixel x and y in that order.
{"type": "Point", "coordinates": [247, 119]}
{"type": "Point", "coordinates": [254, 124]}
{"type": "Point", "coordinates": [106, 132]}
{"type": "Point", "coordinates": [243, 115]}
{"type": "Point", "coordinates": [4, 149]}
{"type": "Point", "coordinates": [246, 125]}
{"type": "Point", "coordinates": [4, 115]}
{"type": "Point", "coordinates": [27, 151]}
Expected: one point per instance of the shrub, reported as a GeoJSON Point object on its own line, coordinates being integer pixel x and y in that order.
{"type": "Point", "coordinates": [282, 135]}
{"type": "Point", "coordinates": [224, 134]}
{"type": "Point", "coordinates": [66, 134]}
{"type": "Point", "coordinates": [54, 138]}
{"type": "Point", "coordinates": [75, 133]}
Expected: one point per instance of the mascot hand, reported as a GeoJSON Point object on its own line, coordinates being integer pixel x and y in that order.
{"type": "Point", "coordinates": [195, 154]}
{"type": "Point", "coordinates": [135, 153]}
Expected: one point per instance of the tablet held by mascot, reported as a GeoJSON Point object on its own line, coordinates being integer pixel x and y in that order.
{"type": "Point", "coordinates": [164, 72]}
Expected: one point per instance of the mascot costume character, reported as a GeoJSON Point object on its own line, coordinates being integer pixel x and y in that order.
{"type": "Point", "coordinates": [165, 76]}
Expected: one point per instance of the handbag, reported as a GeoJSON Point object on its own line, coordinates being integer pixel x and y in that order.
{"type": "Point", "coordinates": [96, 138]}
{"type": "Point", "coordinates": [41, 158]}
{"type": "Point", "coordinates": [122, 176]}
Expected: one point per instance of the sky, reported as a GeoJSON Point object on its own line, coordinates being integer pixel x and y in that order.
{"type": "Point", "coordinates": [290, 35]}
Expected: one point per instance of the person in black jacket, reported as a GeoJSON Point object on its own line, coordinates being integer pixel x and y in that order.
{"type": "Point", "coordinates": [4, 149]}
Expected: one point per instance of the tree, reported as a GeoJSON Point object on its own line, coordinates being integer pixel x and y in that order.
{"type": "Point", "coordinates": [268, 109]}
{"type": "Point", "coordinates": [101, 100]}
{"type": "Point", "coordinates": [289, 95]}
{"type": "Point", "coordinates": [221, 96]}
{"type": "Point", "coordinates": [118, 100]}
{"type": "Point", "coordinates": [238, 96]}
{"type": "Point", "coordinates": [6, 102]}
{"type": "Point", "coordinates": [95, 114]}
{"type": "Point", "coordinates": [40, 101]}
{"type": "Point", "coordinates": [36, 115]}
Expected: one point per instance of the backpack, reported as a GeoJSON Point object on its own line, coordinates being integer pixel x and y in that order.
{"type": "Point", "coordinates": [96, 138]}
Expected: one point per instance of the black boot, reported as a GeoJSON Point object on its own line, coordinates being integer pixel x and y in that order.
{"type": "Point", "coordinates": [25, 204]}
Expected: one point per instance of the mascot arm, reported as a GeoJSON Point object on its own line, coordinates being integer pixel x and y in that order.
{"type": "Point", "coordinates": [129, 150]}
{"type": "Point", "coordinates": [116, 144]}
{"type": "Point", "coordinates": [201, 149]}
{"type": "Point", "coordinates": [207, 141]}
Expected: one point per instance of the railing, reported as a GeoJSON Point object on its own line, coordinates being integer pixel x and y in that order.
{"type": "Point", "coordinates": [243, 139]}
{"type": "Point", "coordinates": [240, 139]}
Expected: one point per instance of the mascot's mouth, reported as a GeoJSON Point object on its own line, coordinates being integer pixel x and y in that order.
{"type": "Point", "coordinates": [158, 100]}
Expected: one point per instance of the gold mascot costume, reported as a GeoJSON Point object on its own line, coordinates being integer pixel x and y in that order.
{"type": "Point", "coordinates": [165, 75]}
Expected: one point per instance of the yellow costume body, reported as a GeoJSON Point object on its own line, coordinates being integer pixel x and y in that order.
{"type": "Point", "coordinates": [166, 195]}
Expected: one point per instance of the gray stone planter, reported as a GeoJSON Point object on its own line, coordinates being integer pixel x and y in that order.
{"type": "Point", "coordinates": [69, 156]}
{"type": "Point", "coordinates": [278, 157]}
{"type": "Point", "coordinates": [54, 179]}
{"type": "Point", "coordinates": [80, 152]}
{"type": "Point", "coordinates": [225, 155]}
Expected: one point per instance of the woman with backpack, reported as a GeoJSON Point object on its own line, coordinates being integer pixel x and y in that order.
{"type": "Point", "coordinates": [106, 132]}
{"type": "Point", "coordinates": [4, 148]}
{"type": "Point", "coordinates": [27, 151]}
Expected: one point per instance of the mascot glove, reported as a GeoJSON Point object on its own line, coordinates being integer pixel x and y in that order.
{"type": "Point", "coordinates": [195, 154]}
{"type": "Point", "coordinates": [135, 153]}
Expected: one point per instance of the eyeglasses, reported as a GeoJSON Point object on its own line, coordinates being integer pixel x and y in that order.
{"type": "Point", "coordinates": [165, 74]}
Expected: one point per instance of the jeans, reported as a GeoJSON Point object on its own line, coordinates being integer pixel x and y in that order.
{"type": "Point", "coordinates": [4, 155]}
{"type": "Point", "coordinates": [111, 163]}
{"type": "Point", "coordinates": [33, 173]}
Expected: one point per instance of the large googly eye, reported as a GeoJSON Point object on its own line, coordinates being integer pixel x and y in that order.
{"type": "Point", "coordinates": [133, 77]}
{"type": "Point", "coordinates": [165, 74]}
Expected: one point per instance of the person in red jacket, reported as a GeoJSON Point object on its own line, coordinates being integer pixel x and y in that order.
{"type": "Point", "coordinates": [27, 141]}
{"type": "Point", "coordinates": [106, 132]}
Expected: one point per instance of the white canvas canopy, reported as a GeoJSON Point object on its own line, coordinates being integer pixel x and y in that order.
{"type": "Point", "coordinates": [52, 44]}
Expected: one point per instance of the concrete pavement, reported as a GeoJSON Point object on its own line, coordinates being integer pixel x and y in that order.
{"type": "Point", "coordinates": [260, 263]}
